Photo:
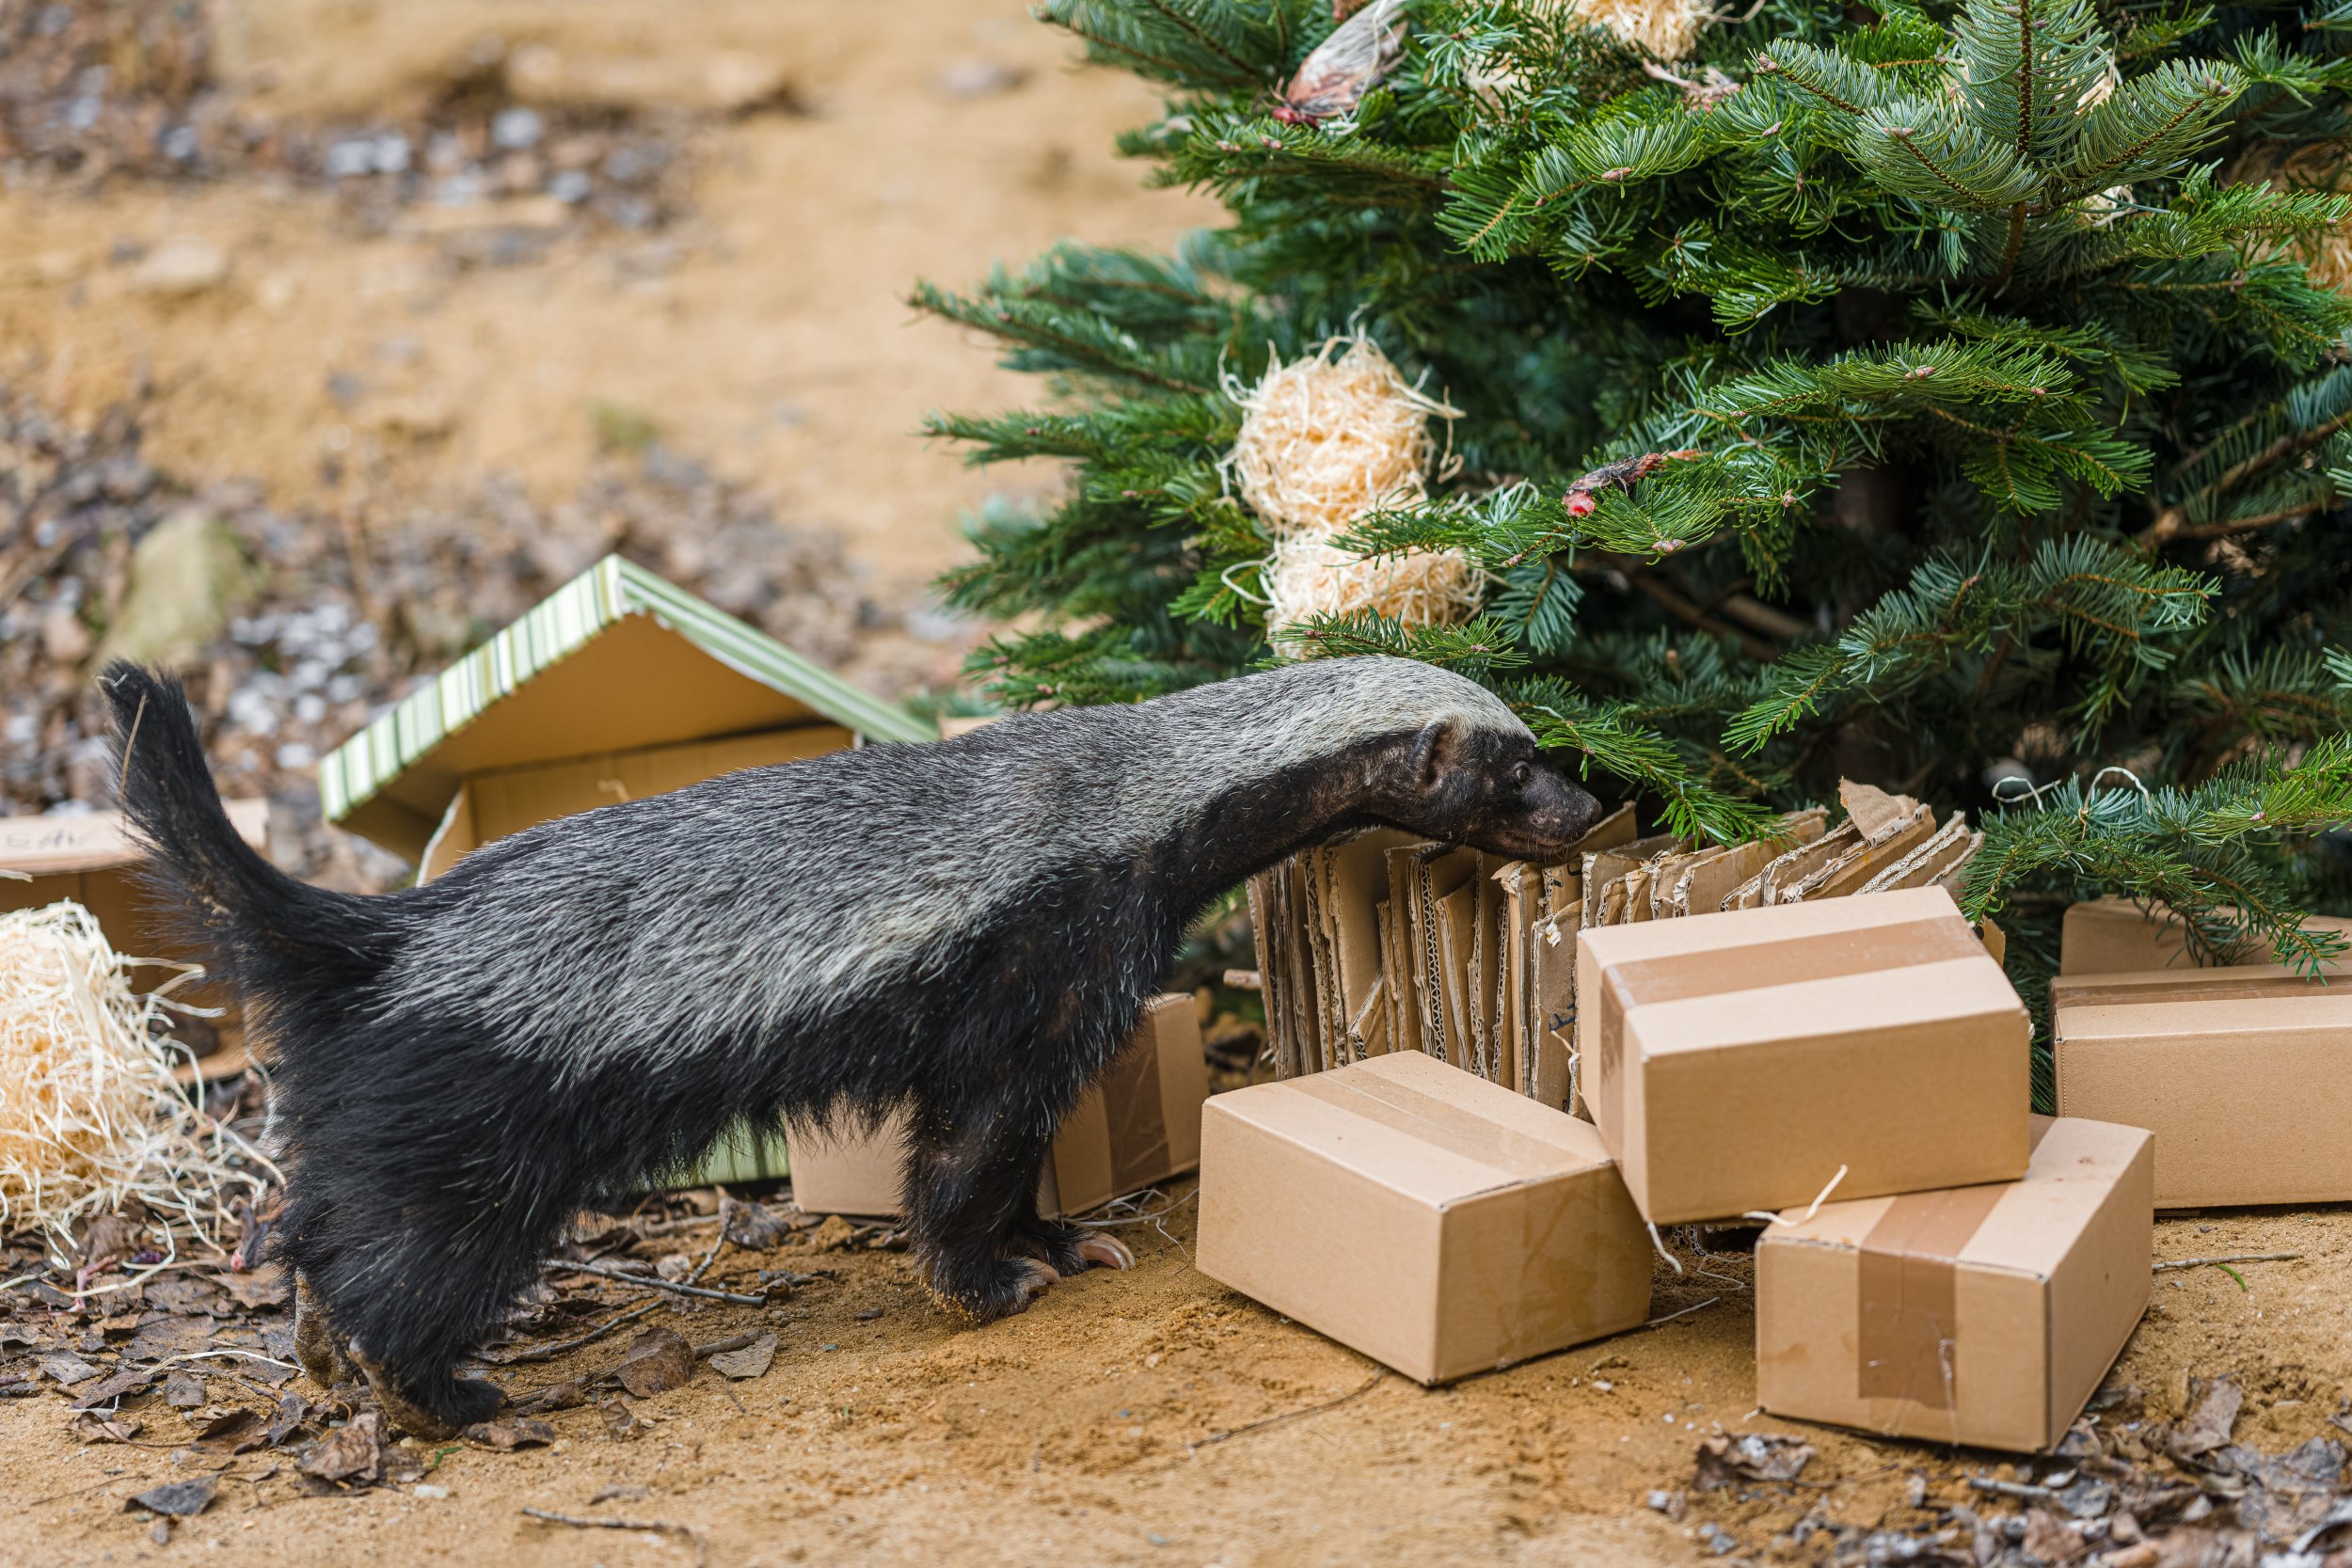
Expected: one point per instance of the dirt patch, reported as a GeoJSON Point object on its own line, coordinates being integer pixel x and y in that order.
{"type": "Point", "coordinates": [763, 331]}
{"type": "Point", "coordinates": [1153, 1417]}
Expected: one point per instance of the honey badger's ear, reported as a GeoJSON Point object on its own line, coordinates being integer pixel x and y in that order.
{"type": "Point", "coordinates": [1432, 750]}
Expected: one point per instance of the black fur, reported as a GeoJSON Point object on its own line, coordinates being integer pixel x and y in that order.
{"type": "Point", "coordinates": [968, 930]}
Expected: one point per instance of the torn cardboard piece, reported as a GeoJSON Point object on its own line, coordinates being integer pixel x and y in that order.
{"type": "Point", "coordinates": [1137, 1125]}
{"type": "Point", "coordinates": [2243, 1074]}
{"type": "Point", "coordinates": [1985, 1315]}
{"type": "Point", "coordinates": [1736, 1061]}
{"type": "Point", "coordinates": [2121, 936]}
{"type": "Point", "coordinates": [1437, 1222]}
{"type": "Point", "coordinates": [95, 860]}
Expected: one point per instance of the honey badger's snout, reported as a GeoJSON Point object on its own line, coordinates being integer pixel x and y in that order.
{"type": "Point", "coordinates": [1556, 812]}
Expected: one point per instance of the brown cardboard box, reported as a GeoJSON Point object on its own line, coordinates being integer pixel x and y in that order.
{"type": "Point", "coordinates": [2116, 936]}
{"type": "Point", "coordinates": [2243, 1074]}
{"type": "Point", "coordinates": [1982, 1315]}
{"type": "Point", "coordinates": [93, 859]}
{"type": "Point", "coordinates": [1139, 1124]}
{"type": "Point", "coordinates": [1437, 1222]}
{"type": "Point", "coordinates": [1735, 1061]}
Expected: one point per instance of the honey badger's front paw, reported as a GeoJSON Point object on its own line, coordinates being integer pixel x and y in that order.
{"type": "Point", "coordinates": [997, 1288]}
{"type": "Point", "coordinates": [1073, 1249]}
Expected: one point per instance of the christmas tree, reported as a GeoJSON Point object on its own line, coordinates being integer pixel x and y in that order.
{"type": "Point", "coordinates": [1953, 399]}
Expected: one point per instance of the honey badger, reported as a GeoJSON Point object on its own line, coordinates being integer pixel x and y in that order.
{"type": "Point", "coordinates": [966, 931]}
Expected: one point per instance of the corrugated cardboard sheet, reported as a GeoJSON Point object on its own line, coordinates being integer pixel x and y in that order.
{"type": "Point", "coordinates": [1735, 1061]}
{"type": "Point", "coordinates": [1982, 1315]}
{"type": "Point", "coordinates": [1436, 1222]}
{"type": "Point", "coordinates": [2244, 1074]}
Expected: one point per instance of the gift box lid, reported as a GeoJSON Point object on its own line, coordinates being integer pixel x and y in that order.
{"type": "Point", "coordinates": [616, 659]}
{"type": "Point", "coordinates": [1428, 1131]}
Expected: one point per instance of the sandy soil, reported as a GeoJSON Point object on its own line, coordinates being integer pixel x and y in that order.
{"type": "Point", "coordinates": [764, 334]}
{"type": "Point", "coordinates": [1087, 1431]}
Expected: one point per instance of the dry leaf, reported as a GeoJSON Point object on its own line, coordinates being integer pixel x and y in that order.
{"type": "Point", "coordinates": [1757, 1456]}
{"type": "Point", "coordinates": [267, 1286]}
{"type": "Point", "coordinates": [90, 1427]}
{"type": "Point", "coordinates": [233, 1432]}
{"type": "Point", "coordinates": [116, 1384]}
{"type": "Point", "coordinates": [183, 1391]}
{"type": "Point", "coordinates": [182, 1500]}
{"type": "Point", "coordinates": [752, 1360]}
{"type": "Point", "coordinates": [505, 1437]}
{"type": "Point", "coordinates": [2049, 1540]}
{"type": "Point", "coordinates": [2217, 1404]}
{"type": "Point", "coordinates": [753, 1226]}
{"type": "Point", "coordinates": [353, 1453]}
{"type": "Point", "coordinates": [556, 1396]}
{"type": "Point", "coordinates": [658, 1361]}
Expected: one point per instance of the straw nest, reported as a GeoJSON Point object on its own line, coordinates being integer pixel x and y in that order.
{"type": "Point", "coordinates": [1307, 578]}
{"type": "Point", "coordinates": [91, 1118]}
{"type": "Point", "coordinates": [1668, 28]}
{"type": "Point", "coordinates": [1325, 440]}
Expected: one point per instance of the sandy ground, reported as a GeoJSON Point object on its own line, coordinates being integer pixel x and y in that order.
{"type": "Point", "coordinates": [766, 333]}
{"type": "Point", "coordinates": [1087, 1431]}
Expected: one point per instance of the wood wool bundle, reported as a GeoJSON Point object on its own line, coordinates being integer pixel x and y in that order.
{"type": "Point", "coordinates": [90, 1118]}
{"type": "Point", "coordinates": [1323, 441]}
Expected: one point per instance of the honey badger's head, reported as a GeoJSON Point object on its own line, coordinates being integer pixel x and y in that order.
{"type": "Point", "coordinates": [1443, 757]}
{"type": "Point", "coordinates": [1486, 786]}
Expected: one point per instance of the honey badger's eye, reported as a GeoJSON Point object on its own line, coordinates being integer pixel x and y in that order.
{"type": "Point", "coordinates": [1522, 774]}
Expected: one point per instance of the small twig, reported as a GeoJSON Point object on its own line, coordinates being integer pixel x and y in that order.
{"type": "Point", "coordinates": [665, 1227]}
{"type": "Point", "coordinates": [662, 1526]}
{"type": "Point", "coordinates": [2009, 1488]}
{"type": "Point", "coordinates": [733, 1342]}
{"type": "Point", "coordinates": [2227, 1257]}
{"type": "Point", "coordinates": [654, 1282]}
{"type": "Point", "coordinates": [549, 1352]}
{"type": "Point", "coordinates": [1356, 1393]}
{"type": "Point", "coordinates": [1682, 1313]}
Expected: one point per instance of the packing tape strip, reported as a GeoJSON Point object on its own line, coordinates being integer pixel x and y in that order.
{"type": "Point", "coordinates": [1908, 1285]}
{"type": "Point", "coordinates": [2194, 991]}
{"type": "Point", "coordinates": [1446, 1125]}
{"type": "Point", "coordinates": [1712, 972]}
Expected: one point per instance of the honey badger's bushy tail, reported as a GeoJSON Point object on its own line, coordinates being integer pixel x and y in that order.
{"type": "Point", "coordinates": [287, 947]}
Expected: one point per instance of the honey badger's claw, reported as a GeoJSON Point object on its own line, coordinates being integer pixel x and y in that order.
{"type": "Point", "coordinates": [1036, 1277]}
{"type": "Point", "coordinates": [1105, 1251]}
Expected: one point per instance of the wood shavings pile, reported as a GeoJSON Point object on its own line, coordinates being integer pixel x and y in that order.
{"type": "Point", "coordinates": [1668, 28]}
{"type": "Point", "coordinates": [1323, 441]}
{"type": "Point", "coordinates": [1306, 578]}
{"type": "Point", "coordinates": [90, 1116]}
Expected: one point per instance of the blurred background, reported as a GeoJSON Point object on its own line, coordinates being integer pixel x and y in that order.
{"type": "Point", "coordinates": [335, 333]}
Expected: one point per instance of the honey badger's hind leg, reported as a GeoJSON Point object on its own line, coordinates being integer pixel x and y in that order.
{"type": "Point", "coordinates": [970, 1184]}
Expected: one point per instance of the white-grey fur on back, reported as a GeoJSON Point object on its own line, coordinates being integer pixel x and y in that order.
{"type": "Point", "coordinates": [743, 903]}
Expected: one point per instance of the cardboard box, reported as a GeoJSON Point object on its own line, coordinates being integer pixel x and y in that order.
{"type": "Point", "coordinates": [1983, 1315]}
{"type": "Point", "coordinates": [1138, 1125]}
{"type": "Point", "coordinates": [93, 859]}
{"type": "Point", "coordinates": [2117, 936]}
{"type": "Point", "coordinates": [1735, 1061]}
{"type": "Point", "coordinates": [1437, 1222]}
{"type": "Point", "coordinates": [2243, 1074]}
